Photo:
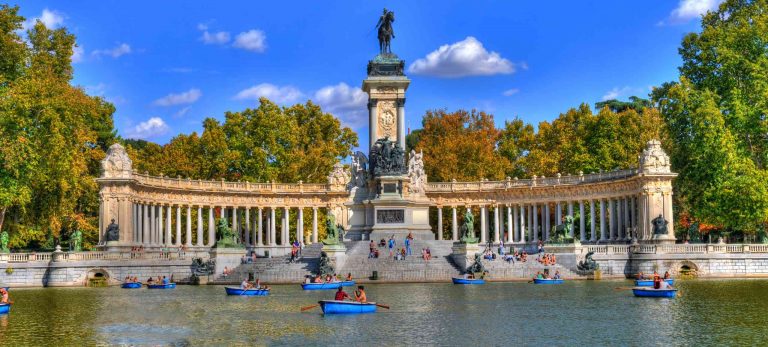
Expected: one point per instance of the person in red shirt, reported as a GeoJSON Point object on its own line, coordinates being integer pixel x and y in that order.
{"type": "Point", "coordinates": [341, 295]}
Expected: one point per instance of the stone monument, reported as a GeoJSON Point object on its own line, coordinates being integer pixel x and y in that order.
{"type": "Point", "coordinates": [655, 200]}
{"type": "Point", "coordinates": [116, 205]}
{"type": "Point", "coordinates": [465, 250]}
{"type": "Point", "coordinates": [388, 199]}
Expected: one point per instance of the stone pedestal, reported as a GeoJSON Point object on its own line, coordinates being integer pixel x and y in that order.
{"type": "Point", "coordinates": [337, 254]}
{"type": "Point", "coordinates": [226, 257]}
{"type": "Point", "coordinates": [464, 254]}
{"type": "Point", "coordinates": [663, 239]}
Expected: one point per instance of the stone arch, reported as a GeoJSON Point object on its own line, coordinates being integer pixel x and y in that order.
{"type": "Point", "coordinates": [685, 268]}
{"type": "Point", "coordinates": [97, 277]}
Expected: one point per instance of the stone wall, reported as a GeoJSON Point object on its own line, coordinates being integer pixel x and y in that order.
{"type": "Point", "coordinates": [76, 274]}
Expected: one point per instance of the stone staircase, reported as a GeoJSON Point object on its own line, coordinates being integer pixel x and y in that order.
{"type": "Point", "coordinates": [277, 269]}
{"type": "Point", "coordinates": [412, 268]}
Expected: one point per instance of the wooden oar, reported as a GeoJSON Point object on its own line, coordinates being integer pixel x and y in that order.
{"type": "Point", "coordinates": [309, 307]}
{"type": "Point", "coordinates": [383, 306]}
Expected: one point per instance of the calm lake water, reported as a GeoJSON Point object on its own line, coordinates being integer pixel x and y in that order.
{"type": "Point", "coordinates": [708, 312]}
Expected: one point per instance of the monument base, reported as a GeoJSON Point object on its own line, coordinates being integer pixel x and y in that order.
{"type": "Point", "coordinates": [463, 254]}
{"type": "Point", "coordinates": [663, 239]}
{"type": "Point", "coordinates": [226, 257]}
{"type": "Point", "coordinates": [337, 254]}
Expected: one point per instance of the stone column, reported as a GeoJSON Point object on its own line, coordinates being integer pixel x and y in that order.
{"type": "Point", "coordinates": [178, 225]}
{"type": "Point", "coordinates": [372, 122]}
{"type": "Point", "coordinates": [531, 231]}
{"type": "Point", "coordinates": [152, 224]}
{"type": "Point", "coordinates": [535, 223]}
{"type": "Point", "coordinates": [439, 222]}
{"type": "Point", "coordinates": [247, 230]}
{"type": "Point", "coordinates": [188, 240]}
{"type": "Point", "coordinates": [559, 213]}
{"type": "Point", "coordinates": [160, 224]}
{"type": "Point", "coordinates": [199, 226]}
{"type": "Point", "coordinates": [314, 224]}
{"type": "Point", "coordinates": [272, 231]}
{"type": "Point", "coordinates": [611, 219]}
{"type": "Point", "coordinates": [259, 229]}
{"type": "Point", "coordinates": [627, 224]}
{"type": "Point", "coordinates": [285, 237]}
{"type": "Point", "coordinates": [592, 226]}
{"type": "Point", "coordinates": [145, 225]}
{"type": "Point", "coordinates": [235, 224]}
{"type": "Point", "coordinates": [510, 225]}
{"type": "Point", "coordinates": [483, 225]}
{"type": "Point", "coordinates": [300, 225]}
{"type": "Point", "coordinates": [168, 217]}
{"type": "Point", "coordinates": [401, 123]}
{"type": "Point", "coordinates": [211, 228]}
{"type": "Point", "coordinates": [582, 222]}
{"type": "Point", "coordinates": [603, 231]}
{"type": "Point", "coordinates": [570, 213]}
{"type": "Point", "coordinates": [135, 211]}
{"type": "Point", "coordinates": [496, 227]}
{"type": "Point", "coordinates": [521, 224]}
{"type": "Point", "coordinates": [454, 225]}
{"type": "Point", "coordinates": [633, 209]}
{"type": "Point", "coordinates": [668, 213]}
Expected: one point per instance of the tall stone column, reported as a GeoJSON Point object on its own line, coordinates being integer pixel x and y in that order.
{"type": "Point", "coordinates": [570, 213]}
{"type": "Point", "coordinates": [535, 222]}
{"type": "Point", "coordinates": [496, 226]}
{"type": "Point", "coordinates": [178, 225]}
{"type": "Point", "coordinates": [152, 224]}
{"type": "Point", "coordinates": [372, 123]}
{"type": "Point", "coordinates": [211, 228]}
{"type": "Point", "coordinates": [454, 225]}
{"type": "Point", "coordinates": [136, 223]}
{"type": "Point", "coordinates": [145, 225]}
{"type": "Point", "coordinates": [619, 222]}
{"type": "Point", "coordinates": [401, 123]}
{"type": "Point", "coordinates": [627, 232]}
{"type": "Point", "coordinates": [633, 208]}
{"type": "Point", "coordinates": [286, 238]}
{"type": "Point", "coordinates": [168, 218]}
{"type": "Point", "coordinates": [247, 231]}
{"type": "Point", "coordinates": [160, 225]}
{"type": "Point", "coordinates": [603, 231]}
{"type": "Point", "coordinates": [272, 231]}
{"type": "Point", "coordinates": [668, 213]}
{"type": "Point", "coordinates": [235, 223]}
{"type": "Point", "coordinates": [259, 229]}
{"type": "Point", "coordinates": [558, 213]}
{"type": "Point", "coordinates": [483, 225]}
{"type": "Point", "coordinates": [612, 219]}
{"type": "Point", "coordinates": [300, 225]}
{"type": "Point", "coordinates": [521, 230]}
{"type": "Point", "coordinates": [188, 241]}
{"type": "Point", "coordinates": [439, 222]}
{"type": "Point", "coordinates": [199, 226]}
{"type": "Point", "coordinates": [582, 222]}
{"type": "Point", "coordinates": [510, 225]}
{"type": "Point", "coordinates": [592, 226]}
{"type": "Point", "coordinates": [314, 224]}
{"type": "Point", "coordinates": [531, 229]}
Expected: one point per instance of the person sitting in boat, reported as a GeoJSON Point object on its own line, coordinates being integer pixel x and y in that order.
{"type": "Point", "coordinates": [557, 275]}
{"type": "Point", "coordinates": [640, 275]}
{"type": "Point", "coordinates": [307, 279]}
{"type": "Point", "coordinates": [664, 285]}
{"type": "Point", "coordinates": [539, 275]}
{"type": "Point", "coordinates": [245, 285]}
{"type": "Point", "coordinates": [349, 276]}
{"type": "Point", "coordinates": [360, 294]}
{"type": "Point", "coordinates": [469, 276]}
{"type": "Point", "coordinates": [165, 280]}
{"type": "Point", "coordinates": [4, 296]}
{"type": "Point", "coordinates": [657, 281]}
{"type": "Point", "coordinates": [150, 280]}
{"type": "Point", "coordinates": [667, 275]}
{"type": "Point", "coordinates": [341, 295]}
{"type": "Point", "coordinates": [257, 285]}
{"type": "Point", "coordinates": [318, 279]}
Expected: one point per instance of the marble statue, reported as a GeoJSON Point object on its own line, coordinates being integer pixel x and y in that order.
{"type": "Point", "coordinates": [416, 173]}
{"type": "Point", "coordinates": [113, 232]}
{"type": "Point", "coordinates": [116, 164]}
{"type": "Point", "coordinates": [359, 170]}
{"type": "Point", "coordinates": [659, 225]}
{"type": "Point", "coordinates": [386, 34]}
{"type": "Point", "coordinates": [338, 176]}
{"type": "Point", "coordinates": [654, 159]}
{"type": "Point", "coordinates": [4, 242]}
{"type": "Point", "coordinates": [468, 228]}
{"type": "Point", "coordinates": [76, 241]}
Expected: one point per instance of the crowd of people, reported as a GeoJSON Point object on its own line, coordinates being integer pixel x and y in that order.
{"type": "Point", "coordinates": [545, 276]}
{"type": "Point", "coordinates": [150, 280]}
{"type": "Point", "coordinates": [327, 279]}
{"type": "Point", "coordinates": [245, 285]}
{"type": "Point", "coordinates": [547, 259]}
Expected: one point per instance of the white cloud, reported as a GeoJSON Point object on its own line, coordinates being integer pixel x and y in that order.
{"type": "Point", "coordinates": [77, 53]}
{"type": "Point", "coordinates": [463, 58]}
{"type": "Point", "coordinates": [510, 92]}
{"type": "Point", "coordinates": [187, 97]}
{"type": "Point", "coordinates": [182, 112]}
{"type": "Point", "coordinates": [51, 19]}
{"type": "Point", "coordinates": [345, 102]}
{"type": "Point", "coordinates": [217, 38]}
{"type": "Point", "coordinates": [280, 95]}
{"type": "Point", "coordinates": [97, 89]}
{"type": "Point", "coordinates": [617, 92]}
{"type": "Point", "coordinates": [119, 50]}
{"type": "Point", "coordinates": [690, 9]}
{"type": "Point", "coordinates": [202, 26]}
{"type": "Point", "coordinates": [252, 40]}
{"type": "Point", "coordinates": [154, 126]}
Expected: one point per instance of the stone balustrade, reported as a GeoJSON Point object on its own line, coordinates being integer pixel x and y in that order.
{"type": "Point", "coordinates": [230, 187]}
{"type": "Point", "coordinates": [484, 186]}
{"type": "Point", "coordinates": [99, 255]}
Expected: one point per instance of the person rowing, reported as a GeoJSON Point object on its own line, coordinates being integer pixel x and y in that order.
{"type": "Point", "coordinates": [341, 295]}
{"type": "Point", "coordinates": [246, 285]}
{"type": "Point", "coordinates": [4, 297]}
{"type": "Point", "coordinates": [360, 295]}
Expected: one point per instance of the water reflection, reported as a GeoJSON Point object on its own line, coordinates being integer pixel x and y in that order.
{"type": "Point", "coordinates": [580, 312]}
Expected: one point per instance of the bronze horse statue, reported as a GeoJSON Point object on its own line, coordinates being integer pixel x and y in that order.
{"type": "Point", "coordinates": [386, 34]}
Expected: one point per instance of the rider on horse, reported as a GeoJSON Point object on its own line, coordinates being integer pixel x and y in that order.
{"type": "Point", "coordinates": [386, 34]}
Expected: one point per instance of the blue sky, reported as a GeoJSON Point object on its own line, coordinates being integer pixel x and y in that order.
{"type": "Point", "coordinates": [167, 65]}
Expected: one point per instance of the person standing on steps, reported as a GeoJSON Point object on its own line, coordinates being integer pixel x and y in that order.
{"type": "Point", "coordinates": [408, 240]}
{"type": "Point", "coordinates": [391, 244]}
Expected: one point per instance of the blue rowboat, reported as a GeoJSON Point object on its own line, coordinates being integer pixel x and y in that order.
{"type": "Point", "coordinates": [6, 288]}
{"type": "Point", "coordinates": [321, 286]}
{"type": "Point", "coordinates": [5, 308]}
{"type": "Point", "coordinates": [162, 286]}
{"type": "Point", "coordinates": [649, 283]}
{"type": "Point", "coordinates": [246, 292]}
{"type": "Point", "coordinates": [131, 285]}
{"type": "Point", "coordinates": [459, 280]}
{"type": "Point", "coordinates": [547, 281]}
{"type": "Point", "coordinates": [346, 307]}
{"type": "Point", "coordinates": [347, 283]}
{"type": "Point", "coordinates": [649, 292]}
